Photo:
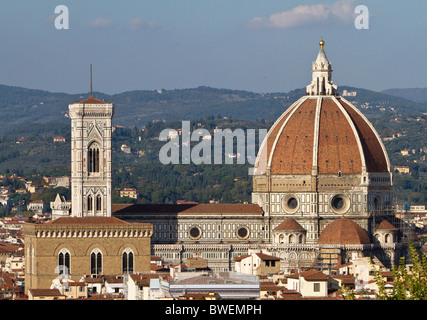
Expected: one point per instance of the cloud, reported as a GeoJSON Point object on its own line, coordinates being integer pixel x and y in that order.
{"type": "Point", "coordinates": [304, 15]}
{"type": "Point", "coordinates": [102, 23]}
{"type": "Point", "coordinates": [139, 23]}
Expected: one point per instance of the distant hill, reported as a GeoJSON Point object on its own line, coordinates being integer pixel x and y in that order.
{"type": "Point", "coordinates": [413, 94]}
{"type": "Point", "coordinates": [20, 107]}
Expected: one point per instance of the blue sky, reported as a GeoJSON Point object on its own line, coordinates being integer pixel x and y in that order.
{"type": "Point", "coordinates": [255, 45]}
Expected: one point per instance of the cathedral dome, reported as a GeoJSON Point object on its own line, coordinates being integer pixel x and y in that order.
{"type": "Point", "coordinates": [322, 133]}
{"type": "Point", "coordinates": [343, 231]}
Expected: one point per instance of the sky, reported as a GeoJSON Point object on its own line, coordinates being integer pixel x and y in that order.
{"type": "Point", "coordinates": [256, 45]}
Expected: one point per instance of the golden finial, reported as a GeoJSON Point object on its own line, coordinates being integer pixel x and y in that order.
{"type": "Point", "coordinates": [321, 42]}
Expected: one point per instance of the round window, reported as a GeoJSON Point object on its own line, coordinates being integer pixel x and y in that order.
{"type": "Point", "coordinates": [195, 232]}
{"type": "Point", "coordinates": [242, 232]}
{"type": "Point", "coordinates": [290, 203]}
{"type": "Point", "coordinates": [340, 203]}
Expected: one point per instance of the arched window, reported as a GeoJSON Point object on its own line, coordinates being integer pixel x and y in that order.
{"type": "Point", "coordinates": [64, 262]}
{"type": "Point", "coordinates": [89, 203]}
{"type": "Point", "coordinates": [127, 261]}
{"type": "Point", "coordinates": [93, 158]}
{"type": "Point", "coordinates": [98, 203]}
{"type": "Point", "coordinates": [96, 262]}
{"type": "Point", "coordinates": [291, 238]}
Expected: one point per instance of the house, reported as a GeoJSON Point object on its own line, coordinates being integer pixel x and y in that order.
{"type": "Point", "coordinates": [129, 192]}
{"type": "Point", "coordinates": [34, 189]}
{"type": "Point", "coordinates": [257, 263]}
{"type": "Point", "coordinates": [70, 289]}
{"type": "Point", "coordinates": [402, 169]}
{"type": "Point", "coordinates": [38, 206]}
{"type": "Point", "coordinates": [60, 182]}
{"type": "Point", "coordinates": [9, 288]}
{"type": "Point", "coordinates": [95, 283]}
{"type": "Point", "coordinates": [8, 250]}
{"type": "Point", "coordinates": [269, 289]}
{"type": "Point", "coordinates": [58, 139]}
{"type": "Point", "coordinates": [405, 152]}
{"type": "Point", "coordinates": [60, 207]}
{"type": "Point", "coordinates": [341, 282]}
{"type": "Point", "coordinates": [45, 294]}
{"type": "Point", "coordinates": [138, 286]}
{"type": "Point", "coordinates": [125, 148]}
{"type": "Point", "coordinates": [114, 285]}
{"type": "Point", "coordinates": [311, 283]}
{"type": "Point", "coordinates": [14, 264]}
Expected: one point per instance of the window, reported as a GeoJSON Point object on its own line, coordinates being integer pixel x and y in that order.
{"type": "Point", "coordinates": [243, 233]}
{"type": "Point", "coordinates": [195, 232]}
{"type": "Point", "coordinates": [89, 203]}
{"type": "Point", "coordinates": [127, 261]}
{"type": "Point", "coordinates": [340, 203]}
{"type": "Point", "coordinates": [96, 262]}
{"type": "Point", "coordinates": [98, 203]}
{"type": "Point", "coordinates": [64, 262]}
{"type": "Point", "coordinates": [316, 287]}
{"type": "Point", "coordinates": [290, 203]}
{"type": "Point", "coordinates": [93, 156]}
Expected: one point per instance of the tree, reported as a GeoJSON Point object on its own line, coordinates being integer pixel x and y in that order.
{"type": "Point", "coordinates": [407, 285]}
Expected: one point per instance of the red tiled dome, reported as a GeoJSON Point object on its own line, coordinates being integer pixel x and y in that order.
{"type": "Point", "coordinates": [323, 132]}
{"type": "Point", "coordinates": [343, 231]}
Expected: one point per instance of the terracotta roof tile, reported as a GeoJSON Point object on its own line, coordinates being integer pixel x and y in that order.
{"type": "Point", "coordinates": [92, 100]}
{"type": "Point", "coordinates": [45, 292]}
{"type": "Point", "coordinates": [289, 224]}
{"type": "Point", "coordinates": [87, 221]}
{"type": "Point", "coordinates": [120, 209]}
{"type": "Point", "coordinates": [386, 225]}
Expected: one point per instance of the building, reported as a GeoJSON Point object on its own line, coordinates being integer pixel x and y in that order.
{"type": "Point", "coordinates": [257, 263]}
{"type": "Point", "coordinates": [125, 148]}
{"type": "Point", "coordinates": [129, 192]}
{"type": "Point", "coordinates": [37, 206]}
{"type": "Point", "coordinates": [402, 169]}
{"type": "Point", "coordinates": [86, 240]}
{"type": "Point", "coordinates": [311, 283]}
{"type": "Point", "coordinates": [138, 286]}
{"type": "Point", "coordinates": [60, 207]}
{"type": "Point", "coordinates": [322, 189]}
{"type": "Point", "coordinates": [70, 289]}
{"type": "Point", "coordinates": [45, 294]}
{"type": "Point", "coordinates": [322, 184]}
{"type": "Point", "coordinates": [91, 157]}
{"type": "Point", "coordinates": [58, 139]}
{"type": "Point", "coordinates": [85, 245]}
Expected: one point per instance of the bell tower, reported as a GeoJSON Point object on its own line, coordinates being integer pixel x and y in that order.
{"type": "Point", "coordinates": [91, 171]}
